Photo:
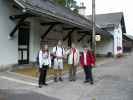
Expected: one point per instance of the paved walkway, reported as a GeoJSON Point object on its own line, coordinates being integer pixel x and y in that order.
{"type": "Point", "coordinates": [113, 81]}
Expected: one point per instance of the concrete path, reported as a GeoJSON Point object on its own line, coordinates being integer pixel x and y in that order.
{"type": "Point", "coordinates": [113, 81]}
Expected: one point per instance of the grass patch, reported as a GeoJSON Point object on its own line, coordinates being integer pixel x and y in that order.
{"type": "Point", "coordinates": [33, 70]}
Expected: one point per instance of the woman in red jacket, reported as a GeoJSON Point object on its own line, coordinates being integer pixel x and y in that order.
{"type": "Point", "coordinates": [87, 62]}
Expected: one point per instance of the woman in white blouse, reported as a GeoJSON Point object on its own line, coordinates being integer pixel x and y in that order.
{"type": "Point", "coordinates": [44, 62]}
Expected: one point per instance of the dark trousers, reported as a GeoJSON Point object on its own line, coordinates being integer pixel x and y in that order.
{"type": "Point", "coordinates": [43, 73]}
{"type": "Point", "coordinates": [88, 73]}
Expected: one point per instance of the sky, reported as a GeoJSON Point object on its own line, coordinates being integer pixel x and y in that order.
{"type": "Point", "coordinates": [110, 6]}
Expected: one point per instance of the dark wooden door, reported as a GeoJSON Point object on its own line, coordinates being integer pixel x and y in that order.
{"type": "Point", "coordinates": [23, 43]}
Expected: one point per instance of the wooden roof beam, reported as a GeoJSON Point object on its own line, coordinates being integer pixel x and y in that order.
{"type": "Point", "coordinates": [20, 16]}
{"type": "Point", "coordinates": [81, 38]}
{"type": "Point", "coordinates": [17, 26]}
{"type": "Point", "coordinates": [69, 33]}
{"type": "Point", "coordinates": [47, 31]}
{"type": "Point", "coordinates": [50, 23]}
{"type": "Point", "coordinates": [66, 28]}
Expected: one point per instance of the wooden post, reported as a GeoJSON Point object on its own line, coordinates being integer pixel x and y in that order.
{"type": "Point", "coordinates": [93, 29]}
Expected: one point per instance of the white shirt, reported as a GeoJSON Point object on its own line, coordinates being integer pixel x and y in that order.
{"type": "Point", "coordinates": [58, 51]}
{"type": "Point", "coordinates": [85, 53]}
{"type": "Point", "coordinates": [44, 59]}
{"type": "Point", "coordinates": [70, 57]}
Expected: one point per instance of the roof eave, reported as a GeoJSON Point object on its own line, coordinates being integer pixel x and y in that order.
{"type": "Point", "coordinates": [39, 12]}
{"type": "Point", "coordinates": [32, 9]}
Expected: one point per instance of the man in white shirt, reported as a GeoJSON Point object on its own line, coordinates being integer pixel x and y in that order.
{"type": "Point", "coordinates": [59, 53]}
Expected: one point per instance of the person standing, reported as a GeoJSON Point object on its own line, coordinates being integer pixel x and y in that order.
{"type": "Point", "coordinates": [73, 61]}
{"type": "Point", "coordinates": [87, 62]}
{"type": "Point", "coordinates": [44, 62]}
{"type": "Point", "coordinates": [58, 52]}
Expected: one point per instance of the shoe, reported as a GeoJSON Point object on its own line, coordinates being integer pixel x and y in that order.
{"type": "Point", "coordinates": [91, 82]}
{"type": "Point", "coordinates": [45, 84]}
{"type": "Point", "coordinates": [40, 86]}
{"type": "Point", "coordinates": [70, 79]}
{"type": "Point", "coordinates": [74, 80]}
{"type": "Point", "coordinates": [55, 79]}
{"type": "Point", "coordinates": [86, 81]}
{"type": "Point", "coordinates": [60, 79]}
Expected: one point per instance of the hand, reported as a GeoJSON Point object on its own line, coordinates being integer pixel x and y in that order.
{"type": "Point", "coordinates": [81, 65]}
{"type": "Point", "coordinates": [59, 57]}
{"type": "Point", "coordinates": [50, 67]}
{"type": "Point", "coordinates": [92, 65]}
{"type": "Point", "coordinates": [39, 70]}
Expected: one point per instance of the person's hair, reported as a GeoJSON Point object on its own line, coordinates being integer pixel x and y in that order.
{"type": "Point", "coordinates": [44, 47]}
{"type": "Point", "coordinates": [73, 44]}
{"type": "Point", "coordinates": [85, 46]}
{"type": "Point", "coordinates": [60, 41]}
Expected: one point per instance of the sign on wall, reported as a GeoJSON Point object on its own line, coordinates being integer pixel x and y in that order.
{"type": "Point", "coordinates": [98, 37]}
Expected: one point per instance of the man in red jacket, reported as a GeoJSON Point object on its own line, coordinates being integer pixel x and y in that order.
{"type": "Point", "coordinates": [87, 62]}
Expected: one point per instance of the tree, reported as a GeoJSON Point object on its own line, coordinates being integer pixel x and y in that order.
{"type": "Point", "coordinates": [71, 4]}
{"type": "Point", "coordinates": [61, 2]}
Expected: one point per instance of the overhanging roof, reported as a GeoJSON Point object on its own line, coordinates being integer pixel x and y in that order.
{"type": "Point", "coordinates": [129, 37]}
{"type": "Point", "coordinates": [110, 20]}
{"type": "Point", "coordinates": [59, 13]}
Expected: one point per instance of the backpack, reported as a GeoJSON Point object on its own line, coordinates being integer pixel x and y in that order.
{"type": "Point", "coordinates": [37, 59]}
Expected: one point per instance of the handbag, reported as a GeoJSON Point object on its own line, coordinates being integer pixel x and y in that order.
{"type": "Point", "coordinates": [93, 69]}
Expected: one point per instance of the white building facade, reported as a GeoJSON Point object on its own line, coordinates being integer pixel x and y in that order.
{"type": "Point", "coordinates": [21, 33]}
{"type": "Point", "coordinates": [114, 24]}
{"type": "Point", "coordinates": [25, 27]}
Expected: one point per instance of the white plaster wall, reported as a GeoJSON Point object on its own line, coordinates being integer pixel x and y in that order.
{"type": "Point", "coordinates": [34, 39]}
{"type": "Point", "coordinates": [107, 44]}
{"type": "Point", "coordinates": [36, 32]}
{"type": "Point", "coordinates": [53, 36]}
{"type": "Point", "coordinates": [83, 42]}
{"type": "Point", "coordinates": [82, 11]}
{"type": "Point", "coordinates": [104, 46]}
{"type": "Point", "coordinates": [118, 40]}
{"type": "Point", "coordinates": [8, 48]}
{"type": "Point", "coordinates": [111, 45]}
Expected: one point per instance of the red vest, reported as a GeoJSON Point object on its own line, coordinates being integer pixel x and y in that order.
{"type": "Point", "coordinates": [89, 58]}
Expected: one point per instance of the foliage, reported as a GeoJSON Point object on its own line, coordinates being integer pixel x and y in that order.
{"type": "Point", "coordinates": [71, 4]}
